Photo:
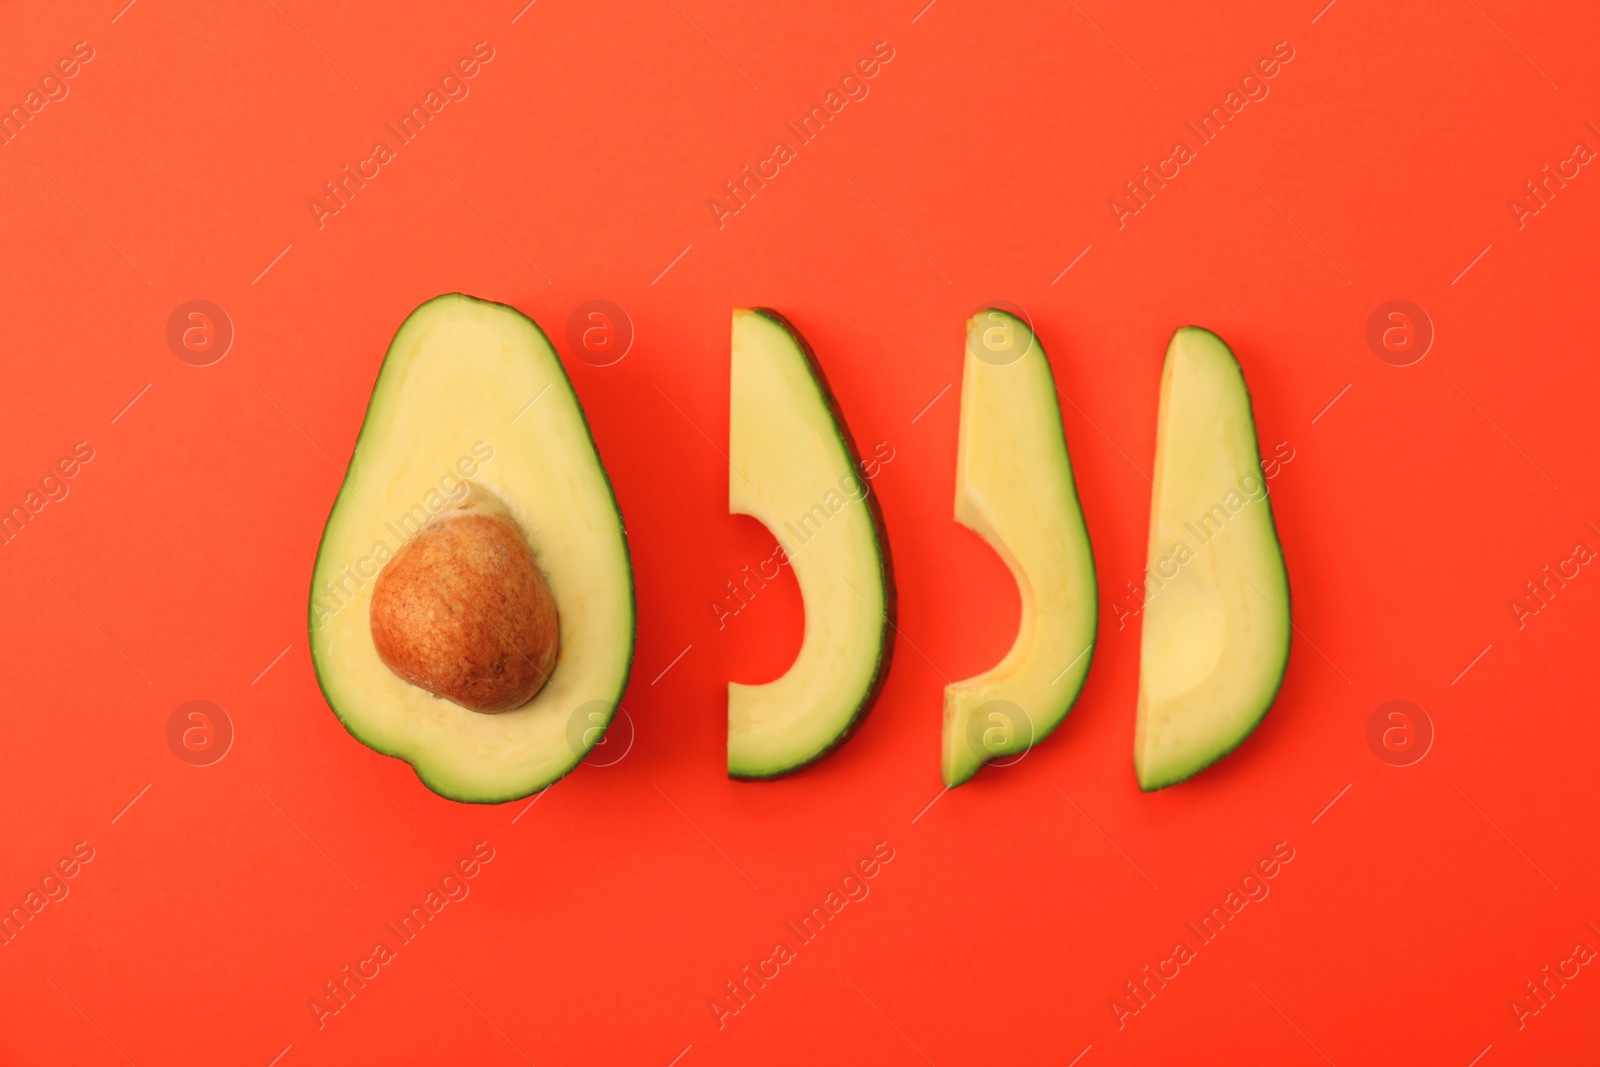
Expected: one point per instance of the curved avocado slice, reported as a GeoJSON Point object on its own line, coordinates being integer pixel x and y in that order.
{"type": "Point", "coordinates": [795, 468]}
{"type": "Point", "coordinates": [1216, 633]}
{"type": "Point", "coordinates": [1014, 488]}
{"type": "Point", "coordinates": [471, 390]}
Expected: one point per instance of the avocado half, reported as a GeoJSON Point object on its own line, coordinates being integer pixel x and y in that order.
{"type": "Point", "coordinates": [1215, 641]}
{"type": "Point", "coordinates": [472, 390]}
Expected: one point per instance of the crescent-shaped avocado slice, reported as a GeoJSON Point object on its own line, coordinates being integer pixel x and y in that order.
{"type": "Point", "coordinates": [473, 392]}
{"type": "Point", "coordinates": [794, 467]}
{"type": "Point", "coordinates": [1216, 633]}
{"type": "Point", "coordinates": [1014, 488]}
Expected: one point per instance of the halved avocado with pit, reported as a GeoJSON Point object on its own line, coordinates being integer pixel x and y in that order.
{"type": "Point", "coordinates": [474, 451]}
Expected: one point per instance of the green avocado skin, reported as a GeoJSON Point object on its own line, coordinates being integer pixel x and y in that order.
{"type": "Point", "coordinates": [633, 630]}
{"type": "Point", "coordinates": [885, 567]}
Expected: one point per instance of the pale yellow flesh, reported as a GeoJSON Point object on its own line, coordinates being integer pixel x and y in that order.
{"type": "Point", "coordinates": [1014, 488]}
{"type": "Point", "coordinates": [790, 470]}
{"type": "Point", "coordinates": [1216, 625]}
{"type": "Point", "coordinates": [462, 373]}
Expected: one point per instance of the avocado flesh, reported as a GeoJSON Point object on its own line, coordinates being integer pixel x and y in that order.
{"type": "Point", "coordinates": [1014, 488]}
{"type": "Point", "coordinates": [456, 375]}
{"type": "Point", "coordinates": [1215, 642]}
{"type": "Point", "coordinates": [794, 468]}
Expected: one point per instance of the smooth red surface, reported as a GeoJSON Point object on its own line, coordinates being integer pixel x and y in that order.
{"type": "Point", "coordinates": [1413, 510]}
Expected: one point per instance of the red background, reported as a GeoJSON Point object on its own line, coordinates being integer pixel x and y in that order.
{"type": "Point", "coordinates": [1413, 510]}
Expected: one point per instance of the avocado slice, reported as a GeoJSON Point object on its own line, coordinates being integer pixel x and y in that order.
{"type": "Point", "coordinates": [1014, 488]}
{"type": "Point", "coordinates": [1215, 643]}
{"type": "Point", "coordinates": [472, 399]}
{"type": "Point", "coordinates": [794, 467]}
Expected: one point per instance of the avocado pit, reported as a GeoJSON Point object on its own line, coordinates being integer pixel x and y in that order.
{"type": "Point", "coordinates": [462, 611]}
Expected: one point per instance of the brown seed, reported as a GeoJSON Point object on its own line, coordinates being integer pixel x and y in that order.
{"type": "Point", "coordinates": [463, 612]}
